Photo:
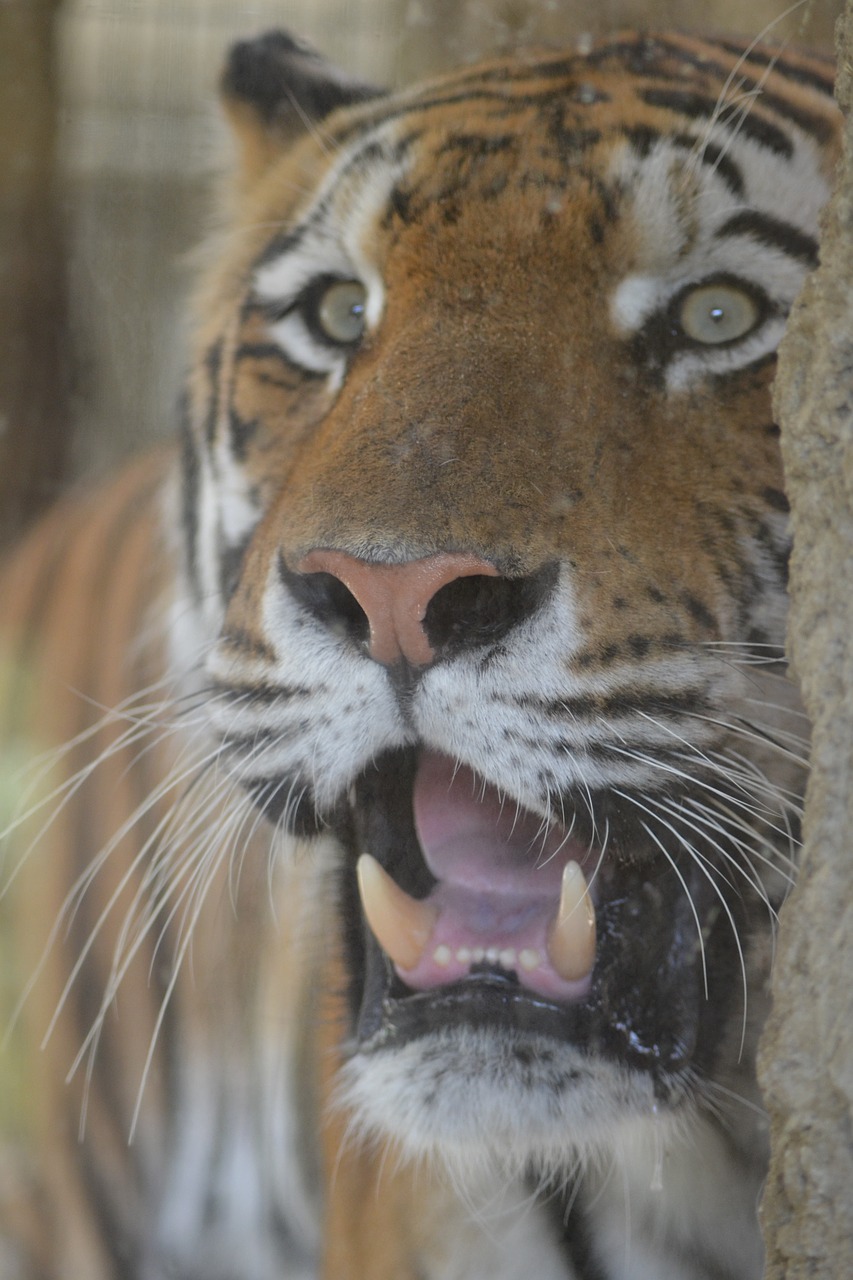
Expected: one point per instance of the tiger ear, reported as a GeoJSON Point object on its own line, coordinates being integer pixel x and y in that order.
{"type": "Point", "coordinates": [275, 88]}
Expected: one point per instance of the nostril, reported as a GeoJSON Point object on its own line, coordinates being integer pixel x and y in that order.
{"type": "Point", "coordinates": [480, 610]}
{"type": "Point", "coordinates": [463, 610]}
{"type": "Point", "coordinates": [416, 611]}
{"type": "Point", "coordinates": [329, 601]}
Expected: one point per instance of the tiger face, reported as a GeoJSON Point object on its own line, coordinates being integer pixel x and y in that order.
{"type": "Point", "coordinates": [486, 539]}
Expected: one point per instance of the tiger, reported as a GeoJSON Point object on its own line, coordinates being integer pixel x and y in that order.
{"type": "Point", "coordinates": [415, 773]}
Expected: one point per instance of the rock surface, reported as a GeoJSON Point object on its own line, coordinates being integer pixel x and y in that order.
{"type": "Point", "coordinates": [807, 1053]}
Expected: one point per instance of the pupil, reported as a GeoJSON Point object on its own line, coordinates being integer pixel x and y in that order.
{"type": "Point", "coordinates": [717, 314]}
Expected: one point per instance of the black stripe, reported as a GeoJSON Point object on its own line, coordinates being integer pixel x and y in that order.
{"type": "Point", "coordinates": [213, 366]}
{"type": "Point", "coordinates": [643, 137]}
{"type": "Point", "coordinates": [505, 106]}
{"type": "Point", "coordinates": [241, 432]}
{"type": "Point", "coordinates": [631, 702]}
{"type": "Point", "coordinates": [641, 57]}
{"type": "Point", "coordinates": [575, 1234]}
{"type": "Point", "coordinates": [571, 140]}
{"type": "Point", "coordinates": [249, 743]}
{"type": "Point", "coordinates": [251, 646]}
{"type": "Point", "coordinates": [758, 365]}
{"type": "Point", "coordinates": [793, 71]}
{"type": "Point", "coordinates": [700, 613]}
{"type": "Point", "coordinates": [259, 694]}
{"type": "Point", "coordinates": [774, 233]}
{"type": "Point", "coordinates": [718, 160]}
{"type": "Point", "coordinates": [478, 144]}
{"type": "Point", "coordinates": [776, 498]}
{"type": "Point", "coordinates": [275, 798]}
{"type": "Point", "coordinates": [777, 552]}
{"type": "Point", "coordinates": [231, 557]}
{"type": "Point", "coordinates": [271, 351]}
{"type": "Point", "coordinates": [749, 124]}
{"type": "Point", "coordinates": [645, 56]}
{"type": "Point", "coordinates": [190, 471]}
{"type": "Point", "coordinates": [285, 242]}
{"type": "Point", "coordinates": [124, 1256]}
{"type": "Point", "coordinates": [819, 127]}
{"type": "Point", "coordinates": [815, 123]}
{"type": "Point", "coordinates": [372, 149]}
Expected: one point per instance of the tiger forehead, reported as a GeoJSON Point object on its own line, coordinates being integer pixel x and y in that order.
{"type": "Point", "coordinates": [481, 141]}
{"type": "Point", "coordinates": [546, 124]}
{"type": "Point", "coordinates": [558, 107]}
{"type": "Point", "coordinates": [423, 156]}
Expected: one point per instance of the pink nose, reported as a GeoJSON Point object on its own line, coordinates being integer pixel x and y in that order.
{"type": "Point", "coordinates": [394, 597]}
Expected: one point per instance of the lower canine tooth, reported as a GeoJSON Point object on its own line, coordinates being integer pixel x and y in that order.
{"type": "Point", "coordinates": [401, 925]}
{"type": "Point", "coordinates": [571, 940]}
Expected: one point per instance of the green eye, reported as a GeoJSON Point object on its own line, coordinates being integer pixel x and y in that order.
{"type": "Point", "coordinates": [716, 313]}
{"type": "Point", "coordinates": [340, 311]}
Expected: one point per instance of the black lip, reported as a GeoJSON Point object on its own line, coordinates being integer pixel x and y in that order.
{"type": "Point", "coordinates": [647, 1008]}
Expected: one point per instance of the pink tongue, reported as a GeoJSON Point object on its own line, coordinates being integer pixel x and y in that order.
{"type": "Point", "coordinates": [498, 869]}
{"type": "Point", "coordinates": [473, 838]}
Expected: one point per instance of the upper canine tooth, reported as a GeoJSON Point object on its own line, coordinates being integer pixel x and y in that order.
{"type": "Point", "coordinates": [571, 939]}
{"type": "Point", "coordinates": [401, 925]}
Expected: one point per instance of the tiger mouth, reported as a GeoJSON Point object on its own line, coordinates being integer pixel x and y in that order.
{"type": "Point", "coordinates": [510, 892]}
{"type": "Point", "coordinates": [468, 911]}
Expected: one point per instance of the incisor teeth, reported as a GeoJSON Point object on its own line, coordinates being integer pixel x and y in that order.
{"type": "Point", "coordinates": [401, 925]}
{"type": "Point", "coordinates": [571, 939]}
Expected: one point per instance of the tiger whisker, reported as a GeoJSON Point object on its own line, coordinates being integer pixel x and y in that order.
{"type": "Point", "coordinates": [746, 729]}
{"type": "Point", "coordinates": [706, 870]}
{"type": "Point", "coordinates": [701, 827]}
{"type": "Point", "coordinates": [723, 96]}
{"type": "Point", "coordinates": [656, 840]}
{"type": "Point", "coordinates": [784, 864]}
{"type": "Point", "coordinates": [663, 766]}
{"type": "Point", "coordinates": [97, 864]}
{"type": "Point", "coordinates": [202, 872]}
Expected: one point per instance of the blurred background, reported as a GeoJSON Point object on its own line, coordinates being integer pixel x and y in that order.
{"type": "Point", "coordinates": [110, 144]}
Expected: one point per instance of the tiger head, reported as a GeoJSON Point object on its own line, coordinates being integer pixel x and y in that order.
{"type": "Point", "coordinates": [487, 540]}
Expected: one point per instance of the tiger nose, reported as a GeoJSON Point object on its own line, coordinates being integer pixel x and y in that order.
{"type": "Point", "coordinates": [393, 597]}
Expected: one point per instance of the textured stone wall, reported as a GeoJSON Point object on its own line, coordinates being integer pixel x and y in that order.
{"type": "Point", "coordinates": [807, 1061]}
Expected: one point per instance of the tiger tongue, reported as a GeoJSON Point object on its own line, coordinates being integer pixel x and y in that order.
{"type": "Point", "coordinates": [471, 837]}
{"type": "Point", "coordinates": [509, 891]}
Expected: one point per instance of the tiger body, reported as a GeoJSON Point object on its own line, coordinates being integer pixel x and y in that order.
{"type": "Point", "coordinates": [472, 559]}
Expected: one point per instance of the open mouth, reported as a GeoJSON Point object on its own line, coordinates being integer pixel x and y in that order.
{"type": "Point", "coordinates": [466, 910]}
{"type": "Point", "coordinates": [510, 892]}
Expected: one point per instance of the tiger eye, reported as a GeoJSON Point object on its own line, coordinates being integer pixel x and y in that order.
{"type": "Point", "coordinates": [341, 311]}
{"type": "Point", "coordinates": [717, 313]}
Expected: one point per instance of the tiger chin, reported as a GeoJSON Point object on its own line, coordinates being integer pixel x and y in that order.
{"type": "Point", "coordinates": [429, 770]}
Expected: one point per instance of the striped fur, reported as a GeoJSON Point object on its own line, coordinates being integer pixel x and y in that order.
{"type": "Point", "coordinates": [235, 1084]}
